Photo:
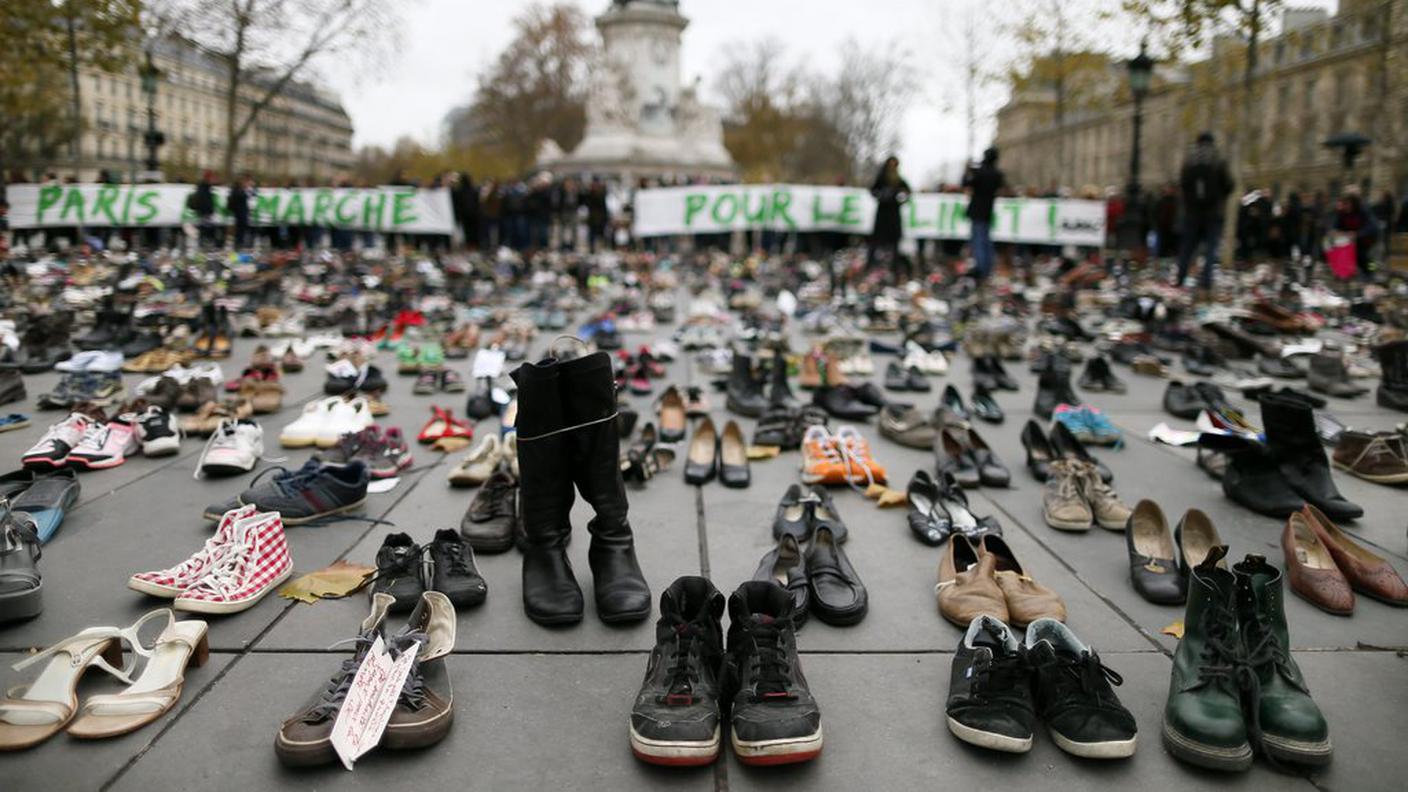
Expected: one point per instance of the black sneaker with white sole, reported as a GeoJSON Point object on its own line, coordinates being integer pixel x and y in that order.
{"type": "Point", "coordinates": [989, 691]}
{"type": "Point", "coordinates": [157, 431]}
{"type": "Point", "coordinates": [774, 718]}
{"type": "Point", "coordinates": [314, 491]}
{"type": "Point", "coordinates": [676, 717]}
{"type": "Point", "coordinates": [400, 571]}
{"type": "Point", "coordinates": [1074, 695]}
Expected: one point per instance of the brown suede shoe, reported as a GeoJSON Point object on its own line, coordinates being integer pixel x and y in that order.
{"type": "Point", "coordinates": [1367, 573]}
{"type": "Point", "coordinates": [1311, 570]}
{"type": "Point", "coordinates": [1380, 457]}
{"type": "Point", "coordinates": [967, 588]}
{"type": "Point", "coordinates": [425, 709]}
{"type": "Point", "coordinates": [1027, 600]}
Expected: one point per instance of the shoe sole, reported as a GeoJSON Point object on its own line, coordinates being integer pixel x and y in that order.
{"type": "Point", "coordinates": [298, 442]}
{"type": "Point", "coordinates": [10, 427]}
{"type": "Point", "coordinates": [1066, 525]}
{"type": "Point", "coordinates": [201, 606]}
{"type": "Point", "coordinates": [1108, 749]}
{"type": "Point", "coordinates": [1111, 525]}
{"type": "Point", "coordinates": [556, 620]}
{"type": "Point", "coordinates": [166, 446]}
{"type": "Point", "coordinates": [153, 589]}
{"type": "Point", "coordinates": [41, 462]}
{"type": "Point", "coordinates": [1203, 755]}
{"type": "Point", "coordinates": [304, 754]}
{"type": "Point", "coordinates": [23, 605]}
{"type": "Point", "coordinates": [790, 750]}
{"type": "Point", "coordinates": [1392, 478]}
{"type": "Point", "coordinates": [1298, 751]}
{"type": "Point", "coordinates": [224, 470]}
{"type": "Point", "coordinates": [422, 734]}
{"type": "Point", "coordinates": [676, 753]}
{"type": "Point", "coordinates": [990, 740]}
{"type": "Point", "coordinates": [351, 507]}
{"type": "Point", "coordinates": [96, 464]}
{"type": "Point", "coordinates": [627, 617]}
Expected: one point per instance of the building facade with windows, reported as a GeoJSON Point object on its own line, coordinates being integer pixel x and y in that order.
{"type": "Point", "coordinates": [303, 136]}
{"type": "Point", "coordinates": [1319, 76]}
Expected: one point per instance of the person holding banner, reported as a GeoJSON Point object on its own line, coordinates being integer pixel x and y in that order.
{"type": "Point", "coordinates": [890, 191]}
{"type": "Point", "coordinates": [982, 185]}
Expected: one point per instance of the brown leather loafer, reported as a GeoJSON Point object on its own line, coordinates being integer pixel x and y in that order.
{"type": "Point", "coordinates": [1027, 600]}
{"type": "Point", "coordinates": [967, 588]}
{"type": "Point", "coordinates": [1311, 569]}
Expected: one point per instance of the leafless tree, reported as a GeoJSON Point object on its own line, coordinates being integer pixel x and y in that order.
{"type": "Point", "coordinates": [268, 45]}
{"type": "Point", "coordinates": [867, 101]}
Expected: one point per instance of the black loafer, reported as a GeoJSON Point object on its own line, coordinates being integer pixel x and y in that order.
{"type": "Point", "coordinates": [791, 515]}
{"type": "Point", "coordinates": [896, 379]}
{"type": "Point", "coordinates": [916, 380]}
{"type": "Point", "coordinates": [837, 595]}
{"type": "Point", "coordinates": [842, 402]}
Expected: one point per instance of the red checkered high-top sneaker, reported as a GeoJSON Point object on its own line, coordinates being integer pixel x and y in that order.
{"type": "Point", "coordinates": [171, 582]}
{"type": "Point", "coordinates": [255, 560]}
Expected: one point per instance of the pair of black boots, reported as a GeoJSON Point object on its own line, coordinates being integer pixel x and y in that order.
{"type": "Point", "coordinates": [1288, 470]}
{"type": "Point", "coordinates": [1393, 388]}
{"type": "Point", "coordinates": [567, 437]}
{"type": "Point", "coordinates": [751, 395]}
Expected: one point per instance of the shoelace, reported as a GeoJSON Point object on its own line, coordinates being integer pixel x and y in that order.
{"type": "Point", "coordinates": [1067, 483]}
{"type": "Point", "coordinates": [335, 692]}
{"type": "Point", "coordinates": [1218, 662]}
{"type": "Point", "coordinates": [15, 532]}
{"type": "Point", "coordinates": [413, 691]}
{"type": "Point", "coordinates": [1261, 647]}
{"type": "Point", "coordinates": [682, 675]}
{"type": "Point", "coordinates": [1380, 448]}
{"type": "Point", "coordinates": [854, 452]}
{"type": "Point", "coordinates": [772, 673]}
{"type": "Point", "coordinates": [226, 574]}
{"type": "Point", "coordinates": [291, 482]}
{"type": "Point", "coordinates": [999, 676]}
{"type": "Point", "coordinates": [1083, 671]}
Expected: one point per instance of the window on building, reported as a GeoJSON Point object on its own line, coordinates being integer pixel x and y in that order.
{"type": "Point", "coordinates": [1283, 99]}
{"type": "Point", "coordinates": [1280, 52]}
{"type": "Point", "coordinates": [1343, 89]}
{"type": "Point", "coordinates": [1336, 36]}
{"type": "Point", "coordinates": [1309, 101]}
{"type": "Point", "coordinates": [1369, 29]}
{"type": "Point", "coordinates": [1307, 46]}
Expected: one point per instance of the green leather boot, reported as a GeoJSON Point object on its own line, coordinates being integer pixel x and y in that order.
{"type": "Point", "coordinates": [1281, 716]}
{"type": "Point", "coordinates": [1203, 721]}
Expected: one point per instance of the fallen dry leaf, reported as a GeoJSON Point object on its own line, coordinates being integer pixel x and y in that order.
{"type": "Point", "coordinates": [1175, 629]}
{"type": "Point", "coordinates": [891, 498]}
{"type": "Point", "coordinates": [763, 452]}
{"type": "Point", "coordinates": [450, 445]}
{"type": "Point", "coordinates": [338, 580]}
{"type": "Point", "coordinates": [874, 491]}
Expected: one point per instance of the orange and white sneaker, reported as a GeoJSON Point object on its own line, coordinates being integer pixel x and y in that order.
{"type": "Point", "coordinates": [821, 458]}
{"type": "Point", "coordinates": [859, 466]}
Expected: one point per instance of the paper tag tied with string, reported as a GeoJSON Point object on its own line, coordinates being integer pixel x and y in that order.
{"type": "Point", "coordinates": [488, 363]}
{"type": "Point", "coordinates": [370, 700]}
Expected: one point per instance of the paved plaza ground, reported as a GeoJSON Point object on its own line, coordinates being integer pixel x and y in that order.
{"type": "Point", "coordinates": [547, 709]}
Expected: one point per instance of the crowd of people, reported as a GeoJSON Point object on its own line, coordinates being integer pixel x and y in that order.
{"type": "Point", "coordinates": [1182, 221]}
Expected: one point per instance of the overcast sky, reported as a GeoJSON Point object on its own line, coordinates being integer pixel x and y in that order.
{"type": "Point", "coordinates": [447, 42]}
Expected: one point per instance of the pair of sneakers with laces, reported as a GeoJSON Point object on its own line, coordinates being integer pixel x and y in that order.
{"type": "Point", "coordinates": [246, 559]}
{"type": "Point", "coordinates": [842, 457]}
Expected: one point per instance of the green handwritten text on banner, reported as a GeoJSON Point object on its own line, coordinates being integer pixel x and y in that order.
{"type": "Point", "coordinates": [399, 209]}
{"type": "Point", "coordinates": [782, 207]}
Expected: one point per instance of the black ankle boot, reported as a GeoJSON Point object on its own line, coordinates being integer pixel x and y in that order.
{"type": "Point", "coordinates": [550, 591]}
{"type": "Point", "coordinates": [594, 462]}
{"type": "Point", "coordinates": [1054, 388]}
{"type": "Point", "coordinates": [1252, 476]}
{"type": "Point", "coordinates": [779, 392]}
{"type": "Point", "coordinates": [745, 392]}
{"type": "Point", "coordinates": [1393, 388]}
{"type": "Point", "coordinates": [1289, 422]}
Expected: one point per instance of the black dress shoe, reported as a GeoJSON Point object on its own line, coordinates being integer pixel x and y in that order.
{"type": "Point", "coordinates": [1098, 376]}
{"type": "Point", "coordinates": [1278, 367]}
{"type": "Point", "coordinates": [701, 461]}
{"type": "Point", "coordinates": [1040, 454]}
{"type": "Point", "coordinates": [786, 566]}
{"type": "Point", "coordinates": [917, 381]}
{"type": "Point", "coordinates": [927, 520]}
{"type": "Point", "coordinates": [896, 378]}
{"type": "Point", "coordinates": [990, 469]}
{"type": "Point", "coordinates": [733, 457]}
{"type": "Point", "coordinates": [454, 572]}
{"type": "Point", "coordinates": [1183, 401]}
{"type": "Point", "coordinates": [999, 374]}
{"type": "Point", "coordinates": [954, 502]}
{"type": "Point", "coordinates": [867, 393]}
{"type": "Point", "coordinates": [1066, 445]}
{"type": "Point", "coordinates": [985, 407]}
{"type": "Point", "coordinates": [842, 401]}
{"type": "Point", "coordinates": [793, 514]}
{"type": "Point", "coordinates": [837, 595]}
{"type": "Point", "coordinates": [1153, 567]}
{"type": "Point", "coordinates": [953, 458]}
{"type": "Point", "coordinates": [1053, 389]}
{"type": "Point", "coordinates": [952, 401]}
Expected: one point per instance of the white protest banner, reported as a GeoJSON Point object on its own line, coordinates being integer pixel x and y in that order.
{"type": "Point", "coordinates": [391, 209]}
{"type": "Point", "coordinates": [788, 207]}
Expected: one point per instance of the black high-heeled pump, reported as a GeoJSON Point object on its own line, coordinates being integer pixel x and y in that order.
{"type": "Point", "coordinates": [1040, 454]}
{"type": "Point", "coordinates": [1066, 445]}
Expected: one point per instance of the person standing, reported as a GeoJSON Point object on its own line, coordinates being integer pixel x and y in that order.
{"type": "Point", "coordinates": [982, 185]}
{"type": "Point", "coordinates": [598, 215]}
{"type": "Point", "coordinates": [240, 194]}
{"type": "Point", "coordinates": [1205, 183]}
{"type": "Point", "coordinates": [890, 190]}
{"type": "Point", "coordinates": [202, 204]}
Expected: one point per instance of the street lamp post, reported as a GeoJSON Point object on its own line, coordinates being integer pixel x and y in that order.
{"type": "Point", "coordinates": [154, 139]}
{"type": "Point", "coordinates": [1141, 75]}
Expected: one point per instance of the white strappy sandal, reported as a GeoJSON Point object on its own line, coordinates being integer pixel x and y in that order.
{"type": "Point", "coordinates": [30, 715]}
{"type": "Point", "coordinates": [153, 693]}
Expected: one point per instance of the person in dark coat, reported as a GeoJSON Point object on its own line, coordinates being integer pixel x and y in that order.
{"type": "Point", "coordinates": [890, 190]}
{"type": "Point", "coordinates": [982, 184]}
{"type": "Point", "coordinates": [238, 204]}
{"type": "Point", "coordinates": [598, 215]}
{"type": "Point", "coordinates": [1354, 219]}
{"type": "Point", "coordinates": [202, 204]}
{"type": "Point", "coordinates": [464, 200]}
{"type": "Point", "coordinates": [1206, 183]}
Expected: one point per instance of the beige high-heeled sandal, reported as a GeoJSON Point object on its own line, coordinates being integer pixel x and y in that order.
{"type": "Point", "coordinates": [153, 693]}
{"type": "Point", "coordinates": [30, 715]}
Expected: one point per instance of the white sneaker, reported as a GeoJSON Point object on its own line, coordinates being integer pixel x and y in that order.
{"type": "Point", "coordinates": [91, 360]}
{"type": "Point", "coordinates": [308, 427]}
{"type": "Point", "coordinates": [345, 417]}
{"type": "Point", "coordinates": [234, 448]}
